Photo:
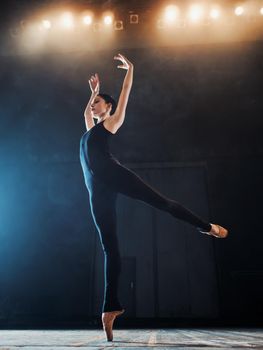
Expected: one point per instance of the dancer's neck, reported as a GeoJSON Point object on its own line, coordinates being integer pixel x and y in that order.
{"type": "Point", "coordinates": [101, 120]}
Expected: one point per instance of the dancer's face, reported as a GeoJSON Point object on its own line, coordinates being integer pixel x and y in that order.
{"type": "Point", "coordinates": [99, 107]}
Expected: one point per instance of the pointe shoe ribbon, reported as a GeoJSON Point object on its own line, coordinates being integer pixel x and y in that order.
{"type": "Point", "coordinates": [107, 322]}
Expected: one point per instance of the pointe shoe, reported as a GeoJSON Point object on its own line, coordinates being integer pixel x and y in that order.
{"type": "Point", "coordinates": [107, 321]}
{"type": "Point", "coordinates": [217, 231]}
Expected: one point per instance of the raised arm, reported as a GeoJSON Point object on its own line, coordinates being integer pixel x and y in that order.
{"type": "Point", "coordinates": [94, 84]}
{"type": "Point", "coordinates": [119, 115]}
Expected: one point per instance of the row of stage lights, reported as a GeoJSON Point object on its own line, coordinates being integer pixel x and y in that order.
{"type": "Point", "coordinates": [170, 15]}
{"type": "Point", "coordinates": [197, 13]}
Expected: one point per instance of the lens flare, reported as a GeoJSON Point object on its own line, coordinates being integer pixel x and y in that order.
{"type": "Point", "coordinates": [239, 11]}
{"type": "Point", "coordinates": [108, 20]}
{"type": "Point", "coordinates": [195, 13]}
{"type": "Point", "coordinates": [87, 20]}
{"type": "Point", "coordinates": [215, 13]}
{"type": "Point", "coordinates": [67, 20]}
{"type": "Point", "coordinates": [171, 13]}
{"type": "Point", "coordinates": [46, 24]}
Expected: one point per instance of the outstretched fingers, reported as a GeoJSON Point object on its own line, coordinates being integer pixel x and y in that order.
{"type": "Point", "coordinates": [94, 82]}
{"type": "Point", "coordinates": [126, 64]}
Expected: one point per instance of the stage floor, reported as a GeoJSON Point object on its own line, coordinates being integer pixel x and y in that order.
{"type": "Point", "coordinates": [197, 338]}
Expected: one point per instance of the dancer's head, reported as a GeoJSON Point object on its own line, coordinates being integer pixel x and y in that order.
{"type": "Point", "coordinates": [102, 104]}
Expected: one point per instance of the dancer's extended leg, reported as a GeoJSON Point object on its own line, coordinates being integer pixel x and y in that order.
{"type": "Point", "coordinates": [125, 181]}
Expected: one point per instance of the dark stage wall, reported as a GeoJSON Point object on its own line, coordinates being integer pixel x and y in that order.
{"type": "Point", "coordinates": [193, 130]}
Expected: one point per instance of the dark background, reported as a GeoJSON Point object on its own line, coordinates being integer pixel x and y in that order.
{"type": "Point", "coordinates": [193, 130]}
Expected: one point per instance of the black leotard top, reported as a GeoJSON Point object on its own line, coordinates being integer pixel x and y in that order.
{"type": "Point", "coordinates": [95, 156]}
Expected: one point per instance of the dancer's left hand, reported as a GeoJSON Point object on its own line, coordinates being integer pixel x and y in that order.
{"type": "Point", "coordinates": [126, 64]}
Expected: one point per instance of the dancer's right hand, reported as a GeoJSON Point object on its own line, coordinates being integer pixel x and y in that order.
{"type": "Point", "coordinates": [94, 84]}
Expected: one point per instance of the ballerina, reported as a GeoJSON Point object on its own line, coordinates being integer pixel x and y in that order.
{"type": "Point", "coordinates": [105, 177]}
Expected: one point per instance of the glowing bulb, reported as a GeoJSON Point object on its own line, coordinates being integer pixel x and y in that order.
{"type": "Point", "coordinates": [87, 20]}
{"type": "Point", "coordinates": [108, 20]}
{"type": "Point", "coordinates": [46, 24]}
{"type": "Point", "coordinates": [67, 20]}
{"type": "Point", "coordinates": [239, 10]}
{"type": "Point", "coordinates": [170, 13]}
{"type": "Point", "coordinates": [196, 13]}
{"type": "Point", "coordinates": [214, 13]}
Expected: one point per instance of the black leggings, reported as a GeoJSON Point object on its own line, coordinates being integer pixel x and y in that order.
{"type": "Point", "coordinates": [103, 191]}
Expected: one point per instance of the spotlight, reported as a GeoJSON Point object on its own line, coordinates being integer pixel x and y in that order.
{"type": "Point", "coordinates": [214, 13]}
{"type": "Point", "coordinates": [87, 20]}
{"type": "Point", "coordinates": [239, 11]}
{"type": "Point", "coordinates": [196, 12]}
{"type": "Point", "coordinates": [118, 25]}
{"type": "Point", "coordinates": [134, 19]}
{"type": "Point", "coordinates": [108, 20]}
{"type": "Point", "coordinates": [67, 20]}
{"type": "Point", "coordinates": [171, 13]}
{"type": "Point", "coordinates": [46, 24]}
{"type": "Point", "coordinates": [261, 11]}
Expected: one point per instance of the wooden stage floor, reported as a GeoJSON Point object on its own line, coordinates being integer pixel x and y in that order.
{"type": "Point", "coordinates": [197, 338]}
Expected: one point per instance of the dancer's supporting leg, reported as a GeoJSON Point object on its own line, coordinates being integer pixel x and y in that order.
{"type": "Point", "coordinates": [103, 208]}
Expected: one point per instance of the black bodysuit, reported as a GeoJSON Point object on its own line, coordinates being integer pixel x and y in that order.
{"type": "Point", "coordinates": [105, 177]}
